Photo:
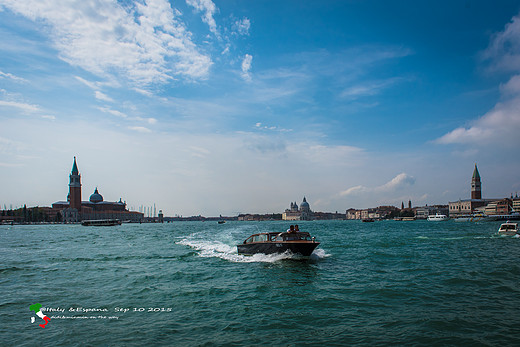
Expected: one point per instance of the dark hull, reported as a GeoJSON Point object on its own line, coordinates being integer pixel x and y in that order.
{"type": "Point", "coordinates": [101, 222]}
{"type": "Point", "coordinates": [303, 248]}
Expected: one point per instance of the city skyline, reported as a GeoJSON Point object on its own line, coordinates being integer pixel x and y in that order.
{"type": "Point", "coordinates": [216, 108]}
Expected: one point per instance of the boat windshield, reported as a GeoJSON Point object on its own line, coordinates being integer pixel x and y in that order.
{"type": "Point", "coordinates": [257, 238]}
{"type": "Point", "coordinates": [293, 237]}
{"type": "Point", "coordinates": [507, 227]}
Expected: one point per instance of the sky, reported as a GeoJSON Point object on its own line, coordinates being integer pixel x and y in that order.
{"type": "Point", "coordinates": [238, 106]}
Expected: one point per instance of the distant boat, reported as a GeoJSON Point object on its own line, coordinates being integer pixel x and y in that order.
{"type": "Point", "coordinates": [438, 217]}
{"type": "Point", "coordinates": [221, 221]}
{"type": "Point", "coordinates": [506, 217]}
{"type": "Point", "coordinates": [470, 218]}
{"type": "Point", "coordinates": [508, 228]}
{"type": "Point", "coordinates": [367, 220]}
{"type": "Point", "coordinates": [101, 222]}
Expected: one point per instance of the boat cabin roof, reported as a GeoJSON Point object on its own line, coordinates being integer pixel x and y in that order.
{"type": "Point", "coordinates": [508, 226]}
{"type": "Point", "coordinates": [279, 237]}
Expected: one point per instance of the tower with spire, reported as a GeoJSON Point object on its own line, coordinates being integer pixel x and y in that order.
{"type": "Point", "coordinates": [476, 185]}
{"type": "Point", "coordinates": [75, 187]}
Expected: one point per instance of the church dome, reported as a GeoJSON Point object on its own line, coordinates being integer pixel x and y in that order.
{"type": "Point", "coordinates": [96, 197]}
{"type": "Point", "coordinates": [304, 206]}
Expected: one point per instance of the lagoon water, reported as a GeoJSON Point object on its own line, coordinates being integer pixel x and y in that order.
{"type": "Point", "coordinates": [384, 283]}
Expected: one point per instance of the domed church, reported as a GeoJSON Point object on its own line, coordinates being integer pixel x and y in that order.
{"type": "Point", "coordinates": [295, 213]}
{"type": "Point", "coordinates": [75, 210]}
{"type": "Point", "coordinates": [96, 197]}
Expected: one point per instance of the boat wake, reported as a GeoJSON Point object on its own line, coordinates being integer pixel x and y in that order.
{"type": "Point", "coordinates": [218, 249]}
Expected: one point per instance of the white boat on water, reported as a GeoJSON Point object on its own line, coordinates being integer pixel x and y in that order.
{"type": "Point", "coordinates": [438, 217]}
{"type": "Point", "coordinates": [470, 218]}
{"type": "Point", "coordinates": [507, 217]}
{"type": "Point", "coordinates": [508, 229]}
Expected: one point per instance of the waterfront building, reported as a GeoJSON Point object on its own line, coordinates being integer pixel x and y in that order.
{"type": "Point", "coordinates": [499, 207]}
{"type": "Point", "coordinates": [516, 204]}
{"type": "Point", "coordinates": [467, 207]}
{"type": "Point", "coordinates": [328, 216]}
{"type": "Point", "coordinates": [302, 213]}
{"type": "Point", "coordinates": [74, 210]}
{"type": "Point", "coordinates": [425, 211]}
{"type": "Point", "coordinates": [473, 205]}
{"type": "Point", "coordinates": [380, 212]}
{"type": "Point", "coordinates": [370, 213]}
{"type": "Point", "coordinates": [256, 217]}
{"type": "Point", "coordinates": [352, 213]}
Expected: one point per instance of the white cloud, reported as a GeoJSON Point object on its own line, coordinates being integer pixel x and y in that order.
{"type": "Point", "coordinates": [19, 105]}
{"type": "Point", "coordinates": [113, 112]}
{"type": "Point", "coordinates": [199, 152]}
{"type": "Point", "coordinates": [143, 92]}
{"type": "Point", "coordinates": [226, 50]}
{"type": "Point", "coordinates": [246, 66]}
{"type": "Point", "coordinates": [397, 183]}
{"type": "Point", "coordinates": [12, 77]}
{"type": "Point", "coordinates": [140, 129]}
{"type": "Point", "coordinates": [149, 120]}
{"type": "Point", "coordinates": [512, 87]}
{"type": "Point", "coordinates": [89, 84]}
{"type": "Point", "coordinates": [102, 96]}
{"type": "Point", "coordinates": [503, 51]}
{"type": "Point", "coordinates": [260, 126]}
{"type": "Point", "coordinates": [369, 89]}
{"type": "Point", "coordinates": [499, 127]}
{"type": "Point", "coordinates": [209, 9]}
{"type": "Point", "coordinates": [145, 43]}
{"type": "Point", "coordinates": [242, 26]}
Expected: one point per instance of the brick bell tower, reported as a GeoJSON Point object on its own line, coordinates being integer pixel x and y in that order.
{"type": "Point", "coordinates": [75, 188]}
{"type": "Point", "coordinates": [476, 185]}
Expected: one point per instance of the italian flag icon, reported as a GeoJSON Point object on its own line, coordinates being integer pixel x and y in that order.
{"type": "Point", "coordinates": [36, 309]}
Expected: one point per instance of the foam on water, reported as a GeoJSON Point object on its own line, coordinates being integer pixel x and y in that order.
{"type": "Point", "coordinates": [219, 249]}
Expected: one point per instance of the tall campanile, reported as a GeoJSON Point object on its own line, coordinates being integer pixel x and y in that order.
{"type": "Point", "coordinates": [476, 187]}
{"type": "Point", "coordinates": [75, 187]}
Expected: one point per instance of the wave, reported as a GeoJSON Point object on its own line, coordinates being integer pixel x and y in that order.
{"type": "Point", "coordinates": [218, 249]}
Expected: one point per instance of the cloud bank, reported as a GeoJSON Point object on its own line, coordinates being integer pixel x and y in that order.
{"type": "Point", "coordinates": [144, 42]}
{"type": "Point", "coordinates": [501, 125]}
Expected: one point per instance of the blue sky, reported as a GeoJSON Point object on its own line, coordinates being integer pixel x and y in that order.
{"type": "Point", "coordinates": [218, 107]}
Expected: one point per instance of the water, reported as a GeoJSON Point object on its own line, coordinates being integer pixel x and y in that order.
{"type": "Point", "coordinates": [384, 283]}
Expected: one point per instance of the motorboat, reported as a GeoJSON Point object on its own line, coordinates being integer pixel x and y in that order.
{"type": "Point", "coordinates": [297, 242]}
{"type": "Point", "coordinates": [101, 222]}
{"type": "Point", "coordinates": [478, 217]}
{"type": "Point", "coordinates": [506, 217]}
{"type": "Point", "coordinates": [508, 228]}
{"type": "Point", "coordinates": [438, 217]}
